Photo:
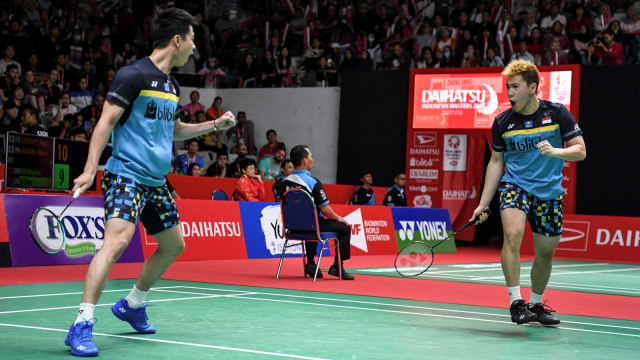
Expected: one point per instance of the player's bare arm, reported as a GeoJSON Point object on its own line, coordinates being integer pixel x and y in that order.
{"type": "Point", "coordinates": [575, 151]}
{"type": "Point", "coordinates": [182, 131]}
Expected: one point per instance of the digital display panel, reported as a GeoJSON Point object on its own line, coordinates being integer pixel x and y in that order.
{"type": "Point", "coordinates": [472, 100]}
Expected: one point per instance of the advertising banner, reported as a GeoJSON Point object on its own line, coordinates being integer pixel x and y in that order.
{"type": "Point", "coordinates": [596, 238]}
{"type": "Point", "coordinates": [428, 225]}
{"type": "Point", "coordinates": [212, 230]}
{"type": "Point", "coordinates": [424, 166]}
{"type": "Point", "coordinates": [372, 230]}
{"type": "Point", "coordinates": [264, 234]}
{"type": "Point", "coordinates": [4, 236]}
{"type": "Point", "coordinates": [83, 223]}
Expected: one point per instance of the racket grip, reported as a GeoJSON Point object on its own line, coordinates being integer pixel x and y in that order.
{"type": "Point", "coordinates": [76, 194]}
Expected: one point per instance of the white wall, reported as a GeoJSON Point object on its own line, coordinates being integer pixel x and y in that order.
{"type": "Point", "coordinates": [307, 116]}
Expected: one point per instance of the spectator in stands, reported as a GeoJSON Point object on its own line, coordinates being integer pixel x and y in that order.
{"type": "Point", "coordinates": [271, 146]}
{"type": "Point", "coordinates": [64, 107]}
{"type": "Point", "coordinates": [214, 75]}
{"type": "Point", "coordinates": [286, 170]}
{"type": "Point", "coordinates": [194, 170]}
{"type": "Point", "coordinates": [7, 59]}
{"type": "Point", "coordinates": [234, 170]}
{"type": "Point", "coordinates": [523, 52]}
{"type": "Point", "coordinates": [242, 134]}
{"type": "Point", "coordinates": [607, 49]}
{"type": "Point", "coordinates": [182, 161]}
{"type": "Point", "coordinates": [546, 24]}
{"type": "Point", "coordinates": [249, 186]}
{"type": "Point", "coordinates": [194, 106]}
{"type": "Point", "coordinates": [400, 59]}
{"type": "Point", "coordinates": [33, 96]}
{"type": "Point", "coordinates": [364, 62]}
{"type": "Point", "coordinates": [364, 193]}
{"type": "Point", "coordinates": [219, 168]}
{"type": "Point", "coordinates": [286, 68]}
{"type": "Point", "coordinates": [125, 57]}
{"type": "Point", "coordinates": [51, 88]}
{"type": "Point", "coordinates": [396, 196]}
{"type": "Point", "coordinates": [555, 55]}
{"type": "Point", "coordinates": [82, 96]}
{"type": "Point", "coordinates": [247, 72]}
{"type": "Point", "coordinates": [93, 111]}
{"type": "Point", "coordinates": [79, 134]}
{"type": "Point", "coordinates": [469, 58]}
{"type": "Point", "coordinates": [528, 26]}
{"type": "Point", "coordinates": [579, 18]}
{"type": "Point", "coordinates": [13, 105]}
{"type": "Point", "coordinates": [557, 34]}
{"type": "Point", "coordinates": [270, 166]}
{"type": "Point", "coordinates": [535, 45]}
{"type": "Point", "coordinates": [446, 61]}
{"type": "Point", "coordinates": [492, 60]}
{"type": "Point", "coordinates": [445, 41]}
{"type": "Point", "coordinates": [423, 37]}
{"type": "Point", "coordinates": [326, 72]}
{"type": "Point", "coordinates": [225, 23]}
{"type": "Point", "coordinates": [9, 82]}
{"type": "Point", "coordinates": [348, 61]}
{"type": "Point", "coordinates": [28, 122]}
{"type": "Point", "coordinates": [210, 141]}
{"type": "Point", "coordinates": [33, 65]}
{"type": "Point", "coordinates": [603, 19]}
{"type": "Point", "coordinates": [215, 111]}
{"type": "Point", "coordinates": [427, 60]}
{"type": "Point", "coordinates": [268, 71]}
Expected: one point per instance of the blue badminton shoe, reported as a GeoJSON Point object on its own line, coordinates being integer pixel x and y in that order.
{"type": "Point", "coordinates": [137, 318]}
{"type": "Point", "coordinates": [80, 339]}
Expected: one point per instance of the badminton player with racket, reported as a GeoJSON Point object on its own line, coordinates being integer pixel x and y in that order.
{"type": "Point", "coordinates": [529, 152]}
{"type": "Point", "coordinates": [139, 116]}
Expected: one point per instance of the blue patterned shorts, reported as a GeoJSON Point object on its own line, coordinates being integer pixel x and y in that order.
{"type": "Point", "coordinates": [545, 216]}
{"type": "Point", "coordinates": [127, 199]}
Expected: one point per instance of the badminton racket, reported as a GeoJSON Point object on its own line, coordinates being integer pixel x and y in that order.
{"type": "Point", "coordinates": [417, 257]}
{"type": "Point", "coordinates": [47, 230]}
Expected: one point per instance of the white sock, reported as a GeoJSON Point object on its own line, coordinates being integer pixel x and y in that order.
{"type": "Point", "coordinates": [85, 313]}
{"type": "Point", "coordinates": [514, 293]}
{"type": "Point", "coordinates": [136, 297]}
{"type": "Point", "coordinates": [535, 298]}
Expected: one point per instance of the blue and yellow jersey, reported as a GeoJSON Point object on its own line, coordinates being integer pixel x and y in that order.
{"type": "Point", "coordinates": [517, 136]}
{"type": "Point", "coordinates": [143, 137]}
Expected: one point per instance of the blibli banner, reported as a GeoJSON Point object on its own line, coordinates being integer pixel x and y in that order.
{"type": "Point", "coordinates": [428, 225]}
{"type": "Point", "coordinates": [83, 223]}
{"type": "Point", "coordinates": [263, 232]}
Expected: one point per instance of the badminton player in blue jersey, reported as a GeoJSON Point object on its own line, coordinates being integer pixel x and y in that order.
{"type": "Point", "coordinates": [529, 152]}
{"type": "Point", "coordinates": [139, 114]}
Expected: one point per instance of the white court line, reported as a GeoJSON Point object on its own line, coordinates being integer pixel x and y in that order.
{"type": "Point", "coordinates": [567, 273]}
{"type": "Point", "coordinates": [73, 293]}
{"type": "Point", "coordinates": [174, 342]}
{"type": "Point", "coordinates": [413, 307]}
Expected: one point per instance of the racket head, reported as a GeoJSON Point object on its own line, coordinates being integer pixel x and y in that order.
{"type": "Point", "coordinates": [47, 231]}
{"type": "Point", "coordinates": [414, 259]}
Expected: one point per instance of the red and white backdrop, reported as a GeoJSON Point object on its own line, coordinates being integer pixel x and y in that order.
{"type": "Point", "coordinates": [449, 128]}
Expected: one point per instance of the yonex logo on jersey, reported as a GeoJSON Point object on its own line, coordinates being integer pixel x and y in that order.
{"type": "Point", "coordinates": [510, 126]}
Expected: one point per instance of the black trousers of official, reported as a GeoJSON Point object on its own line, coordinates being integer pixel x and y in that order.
{"type": "Point", "coordinates": [344, 239]}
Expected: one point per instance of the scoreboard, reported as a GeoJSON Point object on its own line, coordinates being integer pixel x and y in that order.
{"type": "Point", "coordinates": [38, 162]}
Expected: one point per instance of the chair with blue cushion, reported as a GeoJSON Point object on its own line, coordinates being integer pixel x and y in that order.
{"type": "Point", "coordinates": [300, 221]}
{"type": "Point", "coordinates": [219, 194]}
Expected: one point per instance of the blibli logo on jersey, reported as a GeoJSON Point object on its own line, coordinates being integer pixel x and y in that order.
{"type": "Point", "coordinates": [527, 143]}
{"type": "Point", "coordinates": [163, 113]}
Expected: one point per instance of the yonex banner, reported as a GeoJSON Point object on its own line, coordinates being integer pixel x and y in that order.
{"type": "Point", "coordinates": [264, 236]}
{"type": "Point", "coordinates": [428, 225]}
{"type": "Point", "coordinates": [595, 238]}
{"type": "Point", "coordinates": [211, 229]}
{"type": "Point", "coordinates": [83, 223]}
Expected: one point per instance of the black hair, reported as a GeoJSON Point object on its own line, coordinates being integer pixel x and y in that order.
{"type": "Point", "coordinates": [194, 92]}
{"type": "Point", "coordinates": [364, 172]}
{"type": "Point", "coordinates": [244, 164]}
{"type": "Point", "coordinates": [191, 140]}
{"type": "Point", "coordinates": [398, 173]}
{"type": "Point", "coordinates": [285, 162]}
{"type": "Point", "coordinates": [77, 131]}
{"type": "Point", "coordinates": [195, 114]}
{"type": "Point", "coordinates": [169, 22]}
{"type": "Point", "coordinates": [31, 109]}
{"type": "Point", "coordinates": [191, 168]}
{"type": "Point", "coordinates": [271, 131]}
{"type": "Point", "coordinates": [216, 98]}
{"type": "Point", "coordinates": [299, 153]}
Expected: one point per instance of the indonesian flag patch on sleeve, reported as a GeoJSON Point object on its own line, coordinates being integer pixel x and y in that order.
{"type": "Point", "coordinates": [546, 120]}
